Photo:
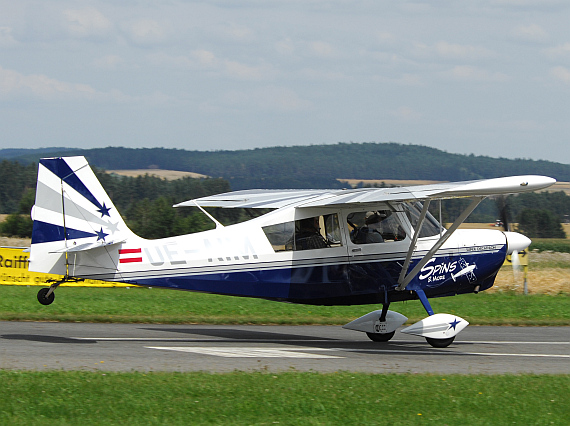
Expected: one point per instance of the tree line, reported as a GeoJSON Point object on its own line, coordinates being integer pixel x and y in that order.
{"type": "Point", "coordinates": [146, 204]}
{"type": "Point", "coordinates": [316, 166]}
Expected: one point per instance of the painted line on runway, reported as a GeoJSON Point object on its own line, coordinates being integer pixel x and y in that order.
{"type": "Point", "coordinates": [223, 339]}
{"type": "Point", "coordinates": [447, 352]}
{"type": "Point", "coordinates": [249, 352]}
{"type": "Point", "coordinates": [263, 352]}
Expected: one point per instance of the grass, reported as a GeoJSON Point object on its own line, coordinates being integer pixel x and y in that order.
{"type": "Point", "coordinates": [143, 305]}
{"type": "Point", "coordinates": [292, 398]}
{"type": "Point", "coordinates": [551, 244]}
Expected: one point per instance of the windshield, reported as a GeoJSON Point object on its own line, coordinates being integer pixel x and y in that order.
{"type": "Point", "coordinates": [430, 226]}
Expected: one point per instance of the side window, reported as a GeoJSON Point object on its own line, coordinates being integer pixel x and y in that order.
{"type": "Point", "coordinates": [305, 234]}
{"type": "Point", "coordinates": [378, 226]}
{"type": "Point", "coordinates": [280, 235]}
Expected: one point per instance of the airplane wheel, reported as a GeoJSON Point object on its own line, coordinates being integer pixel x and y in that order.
{"type": "Point", "coordinates": [380, 337]}
{"type": "Point", "coordinates": [42, 297]}
{"type": "Point", "coordinates": [440, 343]}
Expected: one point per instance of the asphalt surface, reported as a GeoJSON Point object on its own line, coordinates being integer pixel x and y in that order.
{"type": "Point", "coordinates": [152, 347]}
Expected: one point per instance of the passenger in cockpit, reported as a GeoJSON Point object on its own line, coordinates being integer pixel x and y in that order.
{"type": "Point", "coordinates": [308, 235]}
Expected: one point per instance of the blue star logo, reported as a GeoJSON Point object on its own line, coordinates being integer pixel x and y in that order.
{"type": "Point", "coordinates": [101, 235]}
{"type": "Point", "coordinates": [104, 210]}
{"type": "Point", "coordinates": [454, 323]}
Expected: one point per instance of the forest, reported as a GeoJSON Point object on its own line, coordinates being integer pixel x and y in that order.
{"type": "Point", "coordinates": [146, 201]}
{"type": "Point", "coordinates": [314, 166]}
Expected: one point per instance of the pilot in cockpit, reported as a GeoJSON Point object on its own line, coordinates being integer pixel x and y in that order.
{"type": "Point", "coordinates": [372, 229]}
{"type": "Point", "coordinates": [308, 235]}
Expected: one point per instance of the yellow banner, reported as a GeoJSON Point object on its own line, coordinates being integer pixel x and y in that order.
{"type": "Point", "coordinates": [14, 271]}
{"type": "Point", "coordinates": [523, 259]}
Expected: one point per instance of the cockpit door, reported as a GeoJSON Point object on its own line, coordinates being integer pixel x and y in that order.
{"type": "Point", "coordinates": [377, 242]}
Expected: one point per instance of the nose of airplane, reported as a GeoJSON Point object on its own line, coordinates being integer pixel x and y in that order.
{"type": "Point", "coordinates": [516, 241]}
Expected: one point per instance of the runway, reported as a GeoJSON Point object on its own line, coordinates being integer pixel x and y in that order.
{"type": "Point", "coordinates": [157, 347]}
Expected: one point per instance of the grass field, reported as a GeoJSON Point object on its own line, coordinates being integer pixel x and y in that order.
{"type": "Point", "coordinates": [62, 398]}
{"type": "Point", "coordinates": [143, 305]}
{"type": "Point", "coordinates": [292, 398]}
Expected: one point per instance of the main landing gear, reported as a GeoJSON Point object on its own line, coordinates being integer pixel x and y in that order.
{"type": "Point", "coordinates": [380, 337]}
{"type": "Point", "coordinates": [439, 330]}
{"type": "Point", "coordinates": [440, 343]}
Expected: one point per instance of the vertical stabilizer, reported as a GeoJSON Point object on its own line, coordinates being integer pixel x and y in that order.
{"type": "Point", "coordinates": [75, 221]}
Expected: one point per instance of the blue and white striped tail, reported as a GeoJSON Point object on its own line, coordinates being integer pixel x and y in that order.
{"type": "Point", "coordinates": [73, 214]}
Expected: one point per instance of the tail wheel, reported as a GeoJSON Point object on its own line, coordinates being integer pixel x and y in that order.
{"type": "Point", "coordinates": [440, 343]}
{"type": "Point", "coordinates": [43, 298]}
{"type": "Point", "coordinates": [380, 337]}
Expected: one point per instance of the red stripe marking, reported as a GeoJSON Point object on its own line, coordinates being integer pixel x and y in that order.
{"type": "Point", "coordinates": [130, 251]}
{"type": "Point", "coordinates": [131, 260]}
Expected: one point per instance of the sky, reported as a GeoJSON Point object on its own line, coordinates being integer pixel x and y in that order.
{"type": "Point", "coordinates": [483, 77]}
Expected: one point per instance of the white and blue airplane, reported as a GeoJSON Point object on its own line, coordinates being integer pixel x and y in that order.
{"type": "Point", "coordinates": [319, 247]}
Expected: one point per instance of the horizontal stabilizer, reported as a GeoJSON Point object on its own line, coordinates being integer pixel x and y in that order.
{"type": "Point", "coordinates": [88, 246]}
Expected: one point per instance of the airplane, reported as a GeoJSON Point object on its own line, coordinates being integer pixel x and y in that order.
{"type": "Point", "coordinates": [317, 247]}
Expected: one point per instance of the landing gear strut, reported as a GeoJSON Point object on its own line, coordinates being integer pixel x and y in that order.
{"type": "Point", "coordinates": [377, 336]}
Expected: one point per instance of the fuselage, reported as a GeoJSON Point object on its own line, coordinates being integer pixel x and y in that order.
{"type": "Point", "coordinates": [266, 258]}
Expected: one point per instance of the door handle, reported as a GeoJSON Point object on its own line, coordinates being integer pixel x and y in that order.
{"type": "Point", "coordinates": [356, 250]}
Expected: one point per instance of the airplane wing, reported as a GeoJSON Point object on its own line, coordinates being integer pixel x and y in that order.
{"type": "Point", "coordinates": [363, 196]}
{"type": "Point", "coordinates": [257, 198]}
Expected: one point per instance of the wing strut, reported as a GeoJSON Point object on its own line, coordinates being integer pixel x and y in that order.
{"type": "Point", "coordinates": [212, 218]}
{"type": "Point", "coordinates": [404, 279]}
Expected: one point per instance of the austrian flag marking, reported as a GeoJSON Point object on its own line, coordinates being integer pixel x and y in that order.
{"type": "Point", "coordinates": [130, 255]}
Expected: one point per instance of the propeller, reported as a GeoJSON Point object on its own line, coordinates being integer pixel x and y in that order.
{"type": "Point", "coordinates": [504, 215]}
{"type": "Point", "coordinates": [504, 211]}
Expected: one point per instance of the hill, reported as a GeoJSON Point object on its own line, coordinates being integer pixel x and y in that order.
{"type": "Point", "coordinates": [316, 166]}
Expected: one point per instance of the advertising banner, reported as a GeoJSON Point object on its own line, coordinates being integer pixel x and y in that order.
{"type": "Point", "coordinates": [14, 271]}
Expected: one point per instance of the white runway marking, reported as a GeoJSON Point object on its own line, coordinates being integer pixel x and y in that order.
{"type": "Point", "coordinates": [448, 352]}
{"type": "Point", "coordinates": [249, 352]}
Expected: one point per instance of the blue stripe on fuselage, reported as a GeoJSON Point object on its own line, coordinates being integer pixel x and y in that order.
{"type": "Point", "coordinates": [352, 281]}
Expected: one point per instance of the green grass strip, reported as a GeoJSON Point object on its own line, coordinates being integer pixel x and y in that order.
{"type": "Point", "coordinates": [143, 305]}
{"type": "Point", "coordinates": [291, 398]}
{"type": "Point", "coordinates": [550, 244]}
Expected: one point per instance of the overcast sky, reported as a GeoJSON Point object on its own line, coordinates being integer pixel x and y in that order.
{"type": "Point", "coordinates": [488, 77]}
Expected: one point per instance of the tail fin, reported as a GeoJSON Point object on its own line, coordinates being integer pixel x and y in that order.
{"type": "Point", "coordinates": [75, 221]}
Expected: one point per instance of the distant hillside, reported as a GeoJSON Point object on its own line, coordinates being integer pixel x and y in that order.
{"type": "Point", "coordinates": [10, 153]}
{"type": "Point", "coordinates": [317, 166]}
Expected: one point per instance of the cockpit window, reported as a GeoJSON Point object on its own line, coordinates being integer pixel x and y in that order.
{"type": "Point", "coordinates": [374, 227]}
{"type": "Point", "coordinates": [305, 234]}
{"type": "Point", "coordinates": [430, 226]}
